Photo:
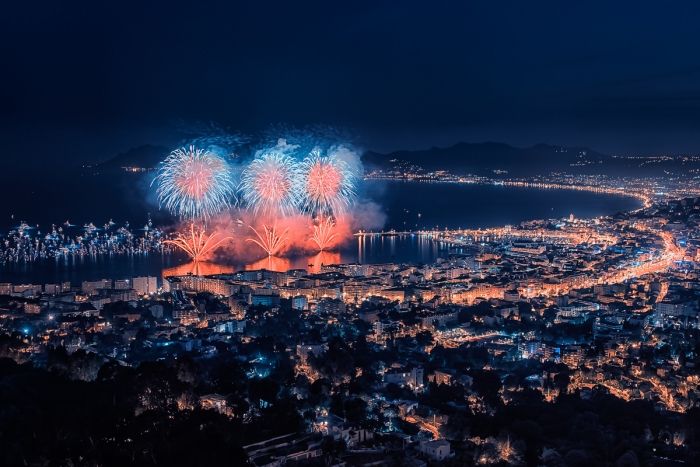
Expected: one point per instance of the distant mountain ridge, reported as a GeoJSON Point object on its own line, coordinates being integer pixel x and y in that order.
{"type": "Point", "coordinates": [147, 156]}
{"type": "Point", "coordinates": [483, 158]}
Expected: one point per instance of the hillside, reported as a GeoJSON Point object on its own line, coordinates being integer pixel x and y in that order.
{"type": "Point", "coordinates": [484, 158]}
{"type": "Point", "coordinates": [147, 156]}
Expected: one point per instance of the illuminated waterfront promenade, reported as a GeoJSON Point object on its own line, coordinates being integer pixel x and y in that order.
{"type": "Point", "coordinates": [645, 196]}
{"type": "Point", "coordinates": [644, 193]}
{"type": "Point", "coordinates": [461, 236]}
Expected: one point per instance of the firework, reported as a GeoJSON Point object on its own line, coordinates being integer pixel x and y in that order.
{"type": "Point", "coordinates": [194, 183]}
{"type": "Point", "coordinates": [327, 184]}
{"type": "Point", "coordinates": [197, 243]}
{"type": "Point", "coordinates": [324, 233]}
{"type": "Point", "coordinates": [268, 184]}
{"type": "Point", "coordinates": [270, 241]}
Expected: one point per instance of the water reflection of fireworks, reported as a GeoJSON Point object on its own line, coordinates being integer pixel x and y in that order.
{"type": "Point", "coordinates": [198, 268]}
{"type": "Point", "coordinates": [271, 263]}
{"type": "Point", "coordinates": [323, 258]}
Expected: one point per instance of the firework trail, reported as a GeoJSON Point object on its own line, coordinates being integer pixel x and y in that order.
{"type": "Point", "coordinates": [324, 233]}
{"type": "Point", "coordinates": [270, 241]}
{"type": "Point", "coordinates": [194, 183]}
{"type": "Point", "coordinates": [268, 184]}
{"type": "Point", "coordinates": [327, 184]}
{"type": "Point", "coordinates": [197, 243]}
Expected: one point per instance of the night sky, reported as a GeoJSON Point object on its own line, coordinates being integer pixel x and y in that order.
{"type": "Point", "coordinates": [83, 80]}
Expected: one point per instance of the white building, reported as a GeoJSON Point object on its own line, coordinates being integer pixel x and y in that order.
{"type": "Point", "coordinates": [412, 378]}
{"type": "Point", "coordinates": [145, 285]}
{"type": "Point", "coordinates": [437, 450]}
{"type": "Point", "coordinates": [91, 287]}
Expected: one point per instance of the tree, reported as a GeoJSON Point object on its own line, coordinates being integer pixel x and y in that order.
{"type": "Point", "coordinates": [424, 338]}
{"type": "Point", "coordinates": [263, 390]}
{"type": "Point", "coordinates": [355, 410]}
{"type": "Point", "coordinates": [487, 384]}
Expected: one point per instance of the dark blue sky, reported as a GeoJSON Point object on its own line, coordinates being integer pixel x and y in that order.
{"type": "Point", "coordinates": [84, 79]}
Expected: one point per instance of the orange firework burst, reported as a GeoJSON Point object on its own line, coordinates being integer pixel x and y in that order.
{"type": "Point", "coordinates": [197, 243]}
{"type": "Point", "coordinates": [324, 233]}
{"type": "Point", "coordinates": [270, 241]}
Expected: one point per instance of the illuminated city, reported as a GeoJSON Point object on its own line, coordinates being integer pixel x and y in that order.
{"type": "Point", "coordinates": [332, 235]}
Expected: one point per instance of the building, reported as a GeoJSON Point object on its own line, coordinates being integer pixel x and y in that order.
{"type": "Point", "coordinates": [412, 378]}
{"type": "Point", "coordinates": [330, 306]}
{"type": "Point", "coordinates": [511, 295]}
{"type": "Point", "coordinates": [355, 291]}
{"type": "Point", "coordinates": [122, 284]}
{"type": "Point", "coordinates": [265, 297]}
{"type": "Point", "coordinates": [608, 326]}
{"type": "Point", "coordinates": [91, 287]}
{"type": "Point", "coordinates": [437, 450]}
{"type": "Point", "coordinates": [304, 350]}
{"type": "Point", "coordinates": [300, 302]}
{"type": "Point", "coordinates": [439, 320]}
{"type": "Point", "coordinates": [231, 327]}
{"type": "Point", "coordinates": [391, 294]}
{"type": "Point", "coordinates": [32, 306]}
{"type": "Point", "coordinates": [214, 285]}
{"type": "Point", "coordinates": [53, 289]}
{"type": "Point", "coordinates": [287, 449]}
{"type": "Point", "coordinates": [384, 327]}
{"type": "Point", "coordinates": [145, 285]}
{"type": "Point", "coordinates": [119, 295]}
{"type": "Point", "coordinates": [440, 377]}
{"type": "Point", "coordinates": [215, 402]}
{"type": "Point", "coordinates": [683, 314]}
{"type": "Point", "coordinates": [572, 356]}
{"type": "Point", "coordinates": [529, 349]}
{"type": "Point", "coordinates": [352, 435]}
{"type": "Point", "coordinates": [26, 290]}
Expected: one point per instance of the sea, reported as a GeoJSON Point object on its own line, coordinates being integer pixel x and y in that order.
{"type": "Point", "coordinates": [403, 206]}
